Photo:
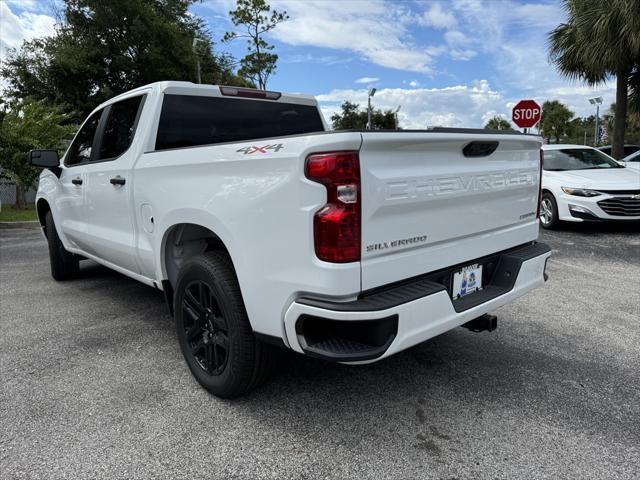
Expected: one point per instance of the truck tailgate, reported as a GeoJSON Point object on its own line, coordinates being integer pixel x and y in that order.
{"type": "Point", "coordinates": [426, 205]}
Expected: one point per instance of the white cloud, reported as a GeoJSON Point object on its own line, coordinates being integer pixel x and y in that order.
{"type": "Point", "coordinates": [454, 37]}
{"type": "Point", "coordinates": [308, 58]}
{"type": "Point", "coordinates": [17, 28]}
{"type": "Point", "coordinates": [436, 17]}
{"type": "Point", "coordinates": [509, 36]}
{"type": "Point", "coordinates": [492, 113]}
{"type": "Point", "coordinates": [513, 38]}
{"type": "Point", "coordinates": [367, 80]}
{"type": "Point", "coordinates": [524, 68]}
{"type": "Point", "coordinates": [457, 42]}
{"type": "Point", "coordinates": [377, 31]}
{"type": "Point", "coordinates": [383, 32]}
{"type": "Point", "coordinates": [536, 15]}
{"type": "Point", "coordinates": [456, 106]}
{"type": "Point", "coordinates": [576, 97]}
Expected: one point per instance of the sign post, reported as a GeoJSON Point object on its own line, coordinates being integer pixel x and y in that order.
{"type": "Point", "coordinates": [526, 114]}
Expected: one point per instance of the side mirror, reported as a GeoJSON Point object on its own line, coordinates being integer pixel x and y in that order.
{"type": "Point", "coordinates": [43, 158]}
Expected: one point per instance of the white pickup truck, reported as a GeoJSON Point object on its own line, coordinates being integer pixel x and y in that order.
{"type": "Point", "coordinates": [263, 228]}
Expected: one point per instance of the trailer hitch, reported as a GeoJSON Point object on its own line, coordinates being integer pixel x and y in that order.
{"type": "Point", "coordinates": [484, 323]}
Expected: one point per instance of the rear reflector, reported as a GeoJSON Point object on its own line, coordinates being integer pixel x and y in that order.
{"type": "Point", "coordinates": [336, 226]}
{"type": "Point", "coordinates": [249, 93]}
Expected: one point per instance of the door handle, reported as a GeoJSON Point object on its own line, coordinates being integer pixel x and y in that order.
{"type": "Point", "coordinates": [118, 180]}
{"type": "Point", "coordinates": [77, 181]}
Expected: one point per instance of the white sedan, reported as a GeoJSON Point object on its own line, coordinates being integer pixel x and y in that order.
{"type": "Point", "coordinates": [631, 161]}
{"type": "Point", "coordinates": [580, 183]}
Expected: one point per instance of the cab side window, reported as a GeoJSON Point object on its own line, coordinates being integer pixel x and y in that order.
{"type": "Point", "coordinates": [119, 128]}
{"type": "Point", "coordinates": [80, 149]}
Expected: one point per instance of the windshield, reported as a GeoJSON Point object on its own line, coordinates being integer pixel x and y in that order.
{"type": "Point", "coordinates": [577, 159]}
{"type": "Point", "coordinates": [634, 157]}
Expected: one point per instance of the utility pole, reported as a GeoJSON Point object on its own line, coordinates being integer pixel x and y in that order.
{"type": "Point", "coordinates": [595, 137]}
{"type": "Point", "coordinates": [193, 46]}
{"type": "Point", "coordinates": [395, 115]}
{"type": "Point", "coordinates": [372, 92]}
{"type": "Point", "coordinates": [597, 101]}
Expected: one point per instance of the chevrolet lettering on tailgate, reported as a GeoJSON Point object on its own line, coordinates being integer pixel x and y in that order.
{"type": "Point", "coordinates": [434, 186]}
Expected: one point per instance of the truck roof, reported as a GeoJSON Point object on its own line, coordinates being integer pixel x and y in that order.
{"type": "Point", "coordinates": [190, 88]}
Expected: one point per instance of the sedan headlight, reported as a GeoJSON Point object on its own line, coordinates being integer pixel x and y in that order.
{"type": "Point", "coordinates": [580, 192]}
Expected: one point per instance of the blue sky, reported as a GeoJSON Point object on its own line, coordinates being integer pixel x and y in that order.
{"type": "Point", "coordinates": [451, 63]}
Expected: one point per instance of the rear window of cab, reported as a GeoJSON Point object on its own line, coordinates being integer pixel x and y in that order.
{"type": "Point", "coordinates": [189, 121]}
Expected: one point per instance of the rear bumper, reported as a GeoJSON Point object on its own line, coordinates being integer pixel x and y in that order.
{"type": "Point", "coordinates": [388, 320]}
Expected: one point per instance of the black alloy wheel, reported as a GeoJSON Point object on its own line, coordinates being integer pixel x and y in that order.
{"type": "Point", "coordinates": [214, 331]}
{"type": "Point", "coordinates": [205, 328]}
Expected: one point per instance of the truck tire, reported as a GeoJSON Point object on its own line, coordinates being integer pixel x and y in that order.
{"type": "Point", "coordinates": [548, 211]}
{"type": "Point", "coordinates": [213, 328]}
{"type": "Point", "coordinates": [64, 265]}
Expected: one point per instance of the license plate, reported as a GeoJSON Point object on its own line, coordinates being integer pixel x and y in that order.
{"type": "Point", "coordinates": [466, 281]}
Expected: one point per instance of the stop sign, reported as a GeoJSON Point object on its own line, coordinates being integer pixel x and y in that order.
{"type": "Point", "coordinates": [526, 113]}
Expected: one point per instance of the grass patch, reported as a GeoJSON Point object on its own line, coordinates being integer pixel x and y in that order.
{"type": "Point", "coordinates": [11, 214]}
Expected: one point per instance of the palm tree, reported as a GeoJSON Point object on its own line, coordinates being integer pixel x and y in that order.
{"type": "Point", "coordinates": [601, 39]}
{"type": "Point", "coordinates": [555, 119]}
{"type": "Point", "coordinates": [497, 123]}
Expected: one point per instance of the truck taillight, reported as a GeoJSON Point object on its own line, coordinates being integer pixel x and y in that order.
{"type": "Point", "coordinates": [336, 226]}
{"type": "Point", "coordinates": [540, 183]}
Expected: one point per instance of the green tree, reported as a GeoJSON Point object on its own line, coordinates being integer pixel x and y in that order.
{"type": "Point", "coordinates": [601, 39]}
{"type": "Point", "coordinates": [351, 117]}
{"type": "Point", "coordinates": [633, 128]}
{"type": "Point", "coordinates": [103, 48]}
{"type": "Point", "coordinates": [581, 131]}
{"type": "Point", "coordinates": [257, 19]}
{"type": "Point", "coordinates": [632, 132]}
{"type": "Point", "coordinates": [29, 125]}
{"type": "Point", "coordinates": [555, 119]}
{"type": "Point", "coordinates": [498, 123]}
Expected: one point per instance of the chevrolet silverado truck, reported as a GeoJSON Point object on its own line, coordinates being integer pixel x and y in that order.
{"type": "Point", "coordinates": [265, 229]}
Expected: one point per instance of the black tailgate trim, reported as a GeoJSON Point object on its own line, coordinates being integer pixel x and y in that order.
{"type": "Point", "coordinates": [380, 300]}
{"type": "Point", "coordinates": [500, 279]}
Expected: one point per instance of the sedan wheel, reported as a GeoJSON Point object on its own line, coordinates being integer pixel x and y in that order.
{"type": "Point", "coordinates": [548, 211]}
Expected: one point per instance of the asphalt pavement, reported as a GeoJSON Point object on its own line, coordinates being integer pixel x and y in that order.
{"type": "Point", "coordinates": [93, 385]}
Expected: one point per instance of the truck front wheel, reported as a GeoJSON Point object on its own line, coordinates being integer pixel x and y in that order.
{"type": "Point", "coordinates": [64, 265]}
{"type": "Point", "coordinates": [213, 328]}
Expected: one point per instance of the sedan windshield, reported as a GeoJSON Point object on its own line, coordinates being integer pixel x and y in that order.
{"type": "Point", "coordinates": [577, 159]}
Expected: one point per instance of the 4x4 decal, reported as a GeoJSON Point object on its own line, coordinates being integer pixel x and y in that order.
{"type": "Point", "coordinates": [263, 149]}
